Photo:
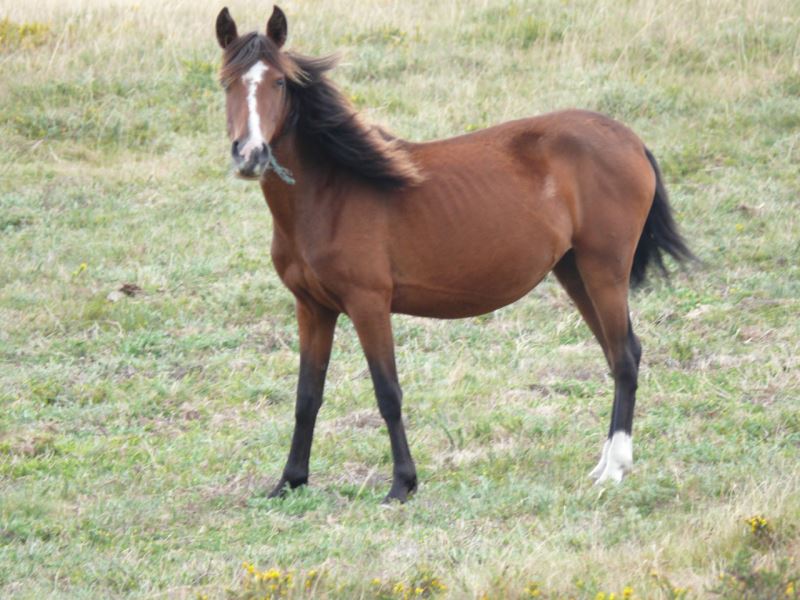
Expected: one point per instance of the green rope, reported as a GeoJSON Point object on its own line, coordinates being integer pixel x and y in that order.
{"type": "Point", "coordinates": [283, 173]}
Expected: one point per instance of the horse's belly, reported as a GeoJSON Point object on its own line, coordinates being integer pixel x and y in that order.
{"type": "Point", "coordinates": [447, 304]}
{"type": "Point", "coordinates": [468, 292]}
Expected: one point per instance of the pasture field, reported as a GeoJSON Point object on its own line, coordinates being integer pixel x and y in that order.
{"type": "Point", "coordinates": [137, 437]}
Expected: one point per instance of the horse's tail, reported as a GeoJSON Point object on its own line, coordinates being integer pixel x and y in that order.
{"type": "Point", "coordinates": [660, 234]}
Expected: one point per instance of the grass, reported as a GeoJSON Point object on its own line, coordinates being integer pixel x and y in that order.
{"type": "Point", "coordinates": [137, 437]}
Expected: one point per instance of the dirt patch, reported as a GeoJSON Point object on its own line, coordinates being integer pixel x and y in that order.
{"type": "Point", "coordinates": [359, 419]}
{"type": "Point", "coordinates": [30, 444]}
{"type": "Point", "coordinates": [356, 475]}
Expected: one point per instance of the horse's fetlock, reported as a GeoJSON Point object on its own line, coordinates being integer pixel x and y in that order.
{"type": "Point", "coordinates": [407, 474]}
{"type": "Point", "coordinates": [295, 477]}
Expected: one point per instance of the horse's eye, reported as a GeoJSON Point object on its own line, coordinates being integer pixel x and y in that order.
{"type": "Point", "coordinates": [280, 82]}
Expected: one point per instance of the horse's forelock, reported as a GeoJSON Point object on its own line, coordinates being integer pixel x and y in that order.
{"type": "Point", "coordinates": [247, 50]}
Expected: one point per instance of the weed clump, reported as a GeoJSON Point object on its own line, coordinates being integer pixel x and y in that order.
{"type": "Point", "coordinates": [759, 526]}
{"type": "Point", "coordinates": [22, 36]}
{"type": "Point", "coordinates": [273, 583]}
{"type": "Point", "coordinates": [424, 585]}
{"type": "Point", "coordinates": [747, 577]}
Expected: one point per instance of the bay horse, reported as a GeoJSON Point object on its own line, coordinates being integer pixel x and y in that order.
{"type": "Point", "coordinates": [367, 224]}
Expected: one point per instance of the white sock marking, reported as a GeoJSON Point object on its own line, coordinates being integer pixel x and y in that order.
{"type": "Point", "coordinates": [618, 458]}
{"type": "Point", "coordinates": [251, 79]}
{"type": "Point", "coordinates": [601, 466]}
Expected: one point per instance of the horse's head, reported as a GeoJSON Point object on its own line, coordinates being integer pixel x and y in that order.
{"type": "Point", "coordinates": [254, 73]}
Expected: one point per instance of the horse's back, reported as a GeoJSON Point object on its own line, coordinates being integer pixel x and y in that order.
{"type": "Point", "coordinates": [591, 158]}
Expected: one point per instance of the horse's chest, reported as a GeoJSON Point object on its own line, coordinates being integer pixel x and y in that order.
{"type": "Point", "coordinates": [302, 279]}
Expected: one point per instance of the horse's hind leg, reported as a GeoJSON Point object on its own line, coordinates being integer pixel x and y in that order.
{"type": "Point", "coordinates": [607, 291]}
{"type": "Point", "coordinates": [566, 271]}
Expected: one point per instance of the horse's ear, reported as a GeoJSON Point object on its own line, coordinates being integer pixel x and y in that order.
{"type": "Point", "coordinates": [226, 28]}
{"type": "Point", "coordinates": [277, 28]}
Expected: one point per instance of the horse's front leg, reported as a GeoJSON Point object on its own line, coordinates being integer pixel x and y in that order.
{"type": "Point", "coordinates": [316, 325]}
{"type": "Point", "coordinates": [371, 317]}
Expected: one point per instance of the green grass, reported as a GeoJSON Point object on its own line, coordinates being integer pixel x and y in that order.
{"type": "Point", "coordinates": [137, 437]}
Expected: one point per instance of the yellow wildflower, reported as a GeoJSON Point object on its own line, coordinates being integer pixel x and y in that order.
{"type": "Point", "coordinates": [311, 576]}
{"type": "Point", "coordinates": [758, 524]}
{"type": "Point", "coordinates": [627, 592]}
{"type": "Point", "coordinates": [433, 584]}
{"type": "Point", "coordinates": [533, 590]}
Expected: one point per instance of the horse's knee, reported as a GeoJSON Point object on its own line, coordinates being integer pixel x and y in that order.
{"type": "Point", "coordinates": [306, 408]}
{"type": "Point", "coordinates": [390, 400]}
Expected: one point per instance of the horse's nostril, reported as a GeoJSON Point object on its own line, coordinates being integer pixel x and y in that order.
{"type": "Point", "coordinates": [235, 149]}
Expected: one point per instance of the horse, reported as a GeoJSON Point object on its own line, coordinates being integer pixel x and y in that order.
{"type": "Point", "coordinates": [368, 224]}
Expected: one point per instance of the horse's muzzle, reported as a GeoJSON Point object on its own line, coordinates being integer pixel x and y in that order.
{"type": "Point", "coordinates": [253, 165]}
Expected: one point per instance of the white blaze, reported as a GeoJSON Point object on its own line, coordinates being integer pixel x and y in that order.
{"type": "Point", "coordinates": [550, 187]}
{"type": "Point", "coordinates": [252, 79]}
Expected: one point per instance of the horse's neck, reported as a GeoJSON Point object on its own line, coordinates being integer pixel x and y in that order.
{"type": "Point", "coordinates": [282, 197]}
{"type": "Point", "coordinates": [291, 204]}
{"type": "Point", "coordinates": [280, 200]}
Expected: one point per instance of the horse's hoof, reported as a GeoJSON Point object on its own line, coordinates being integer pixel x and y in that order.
{"type": "Point", "coordinates": [401, 492]}
{"type": "Point", "coordinates": [389, 499]}
{"type": "Point", "coordinates": [279, 491]}
{"type": "Point", "coordinates": [617, 459]}
{"type": "Point", "coordinates": [283, 487]}
{"type": "Point", "coordinates": [396, 498]}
